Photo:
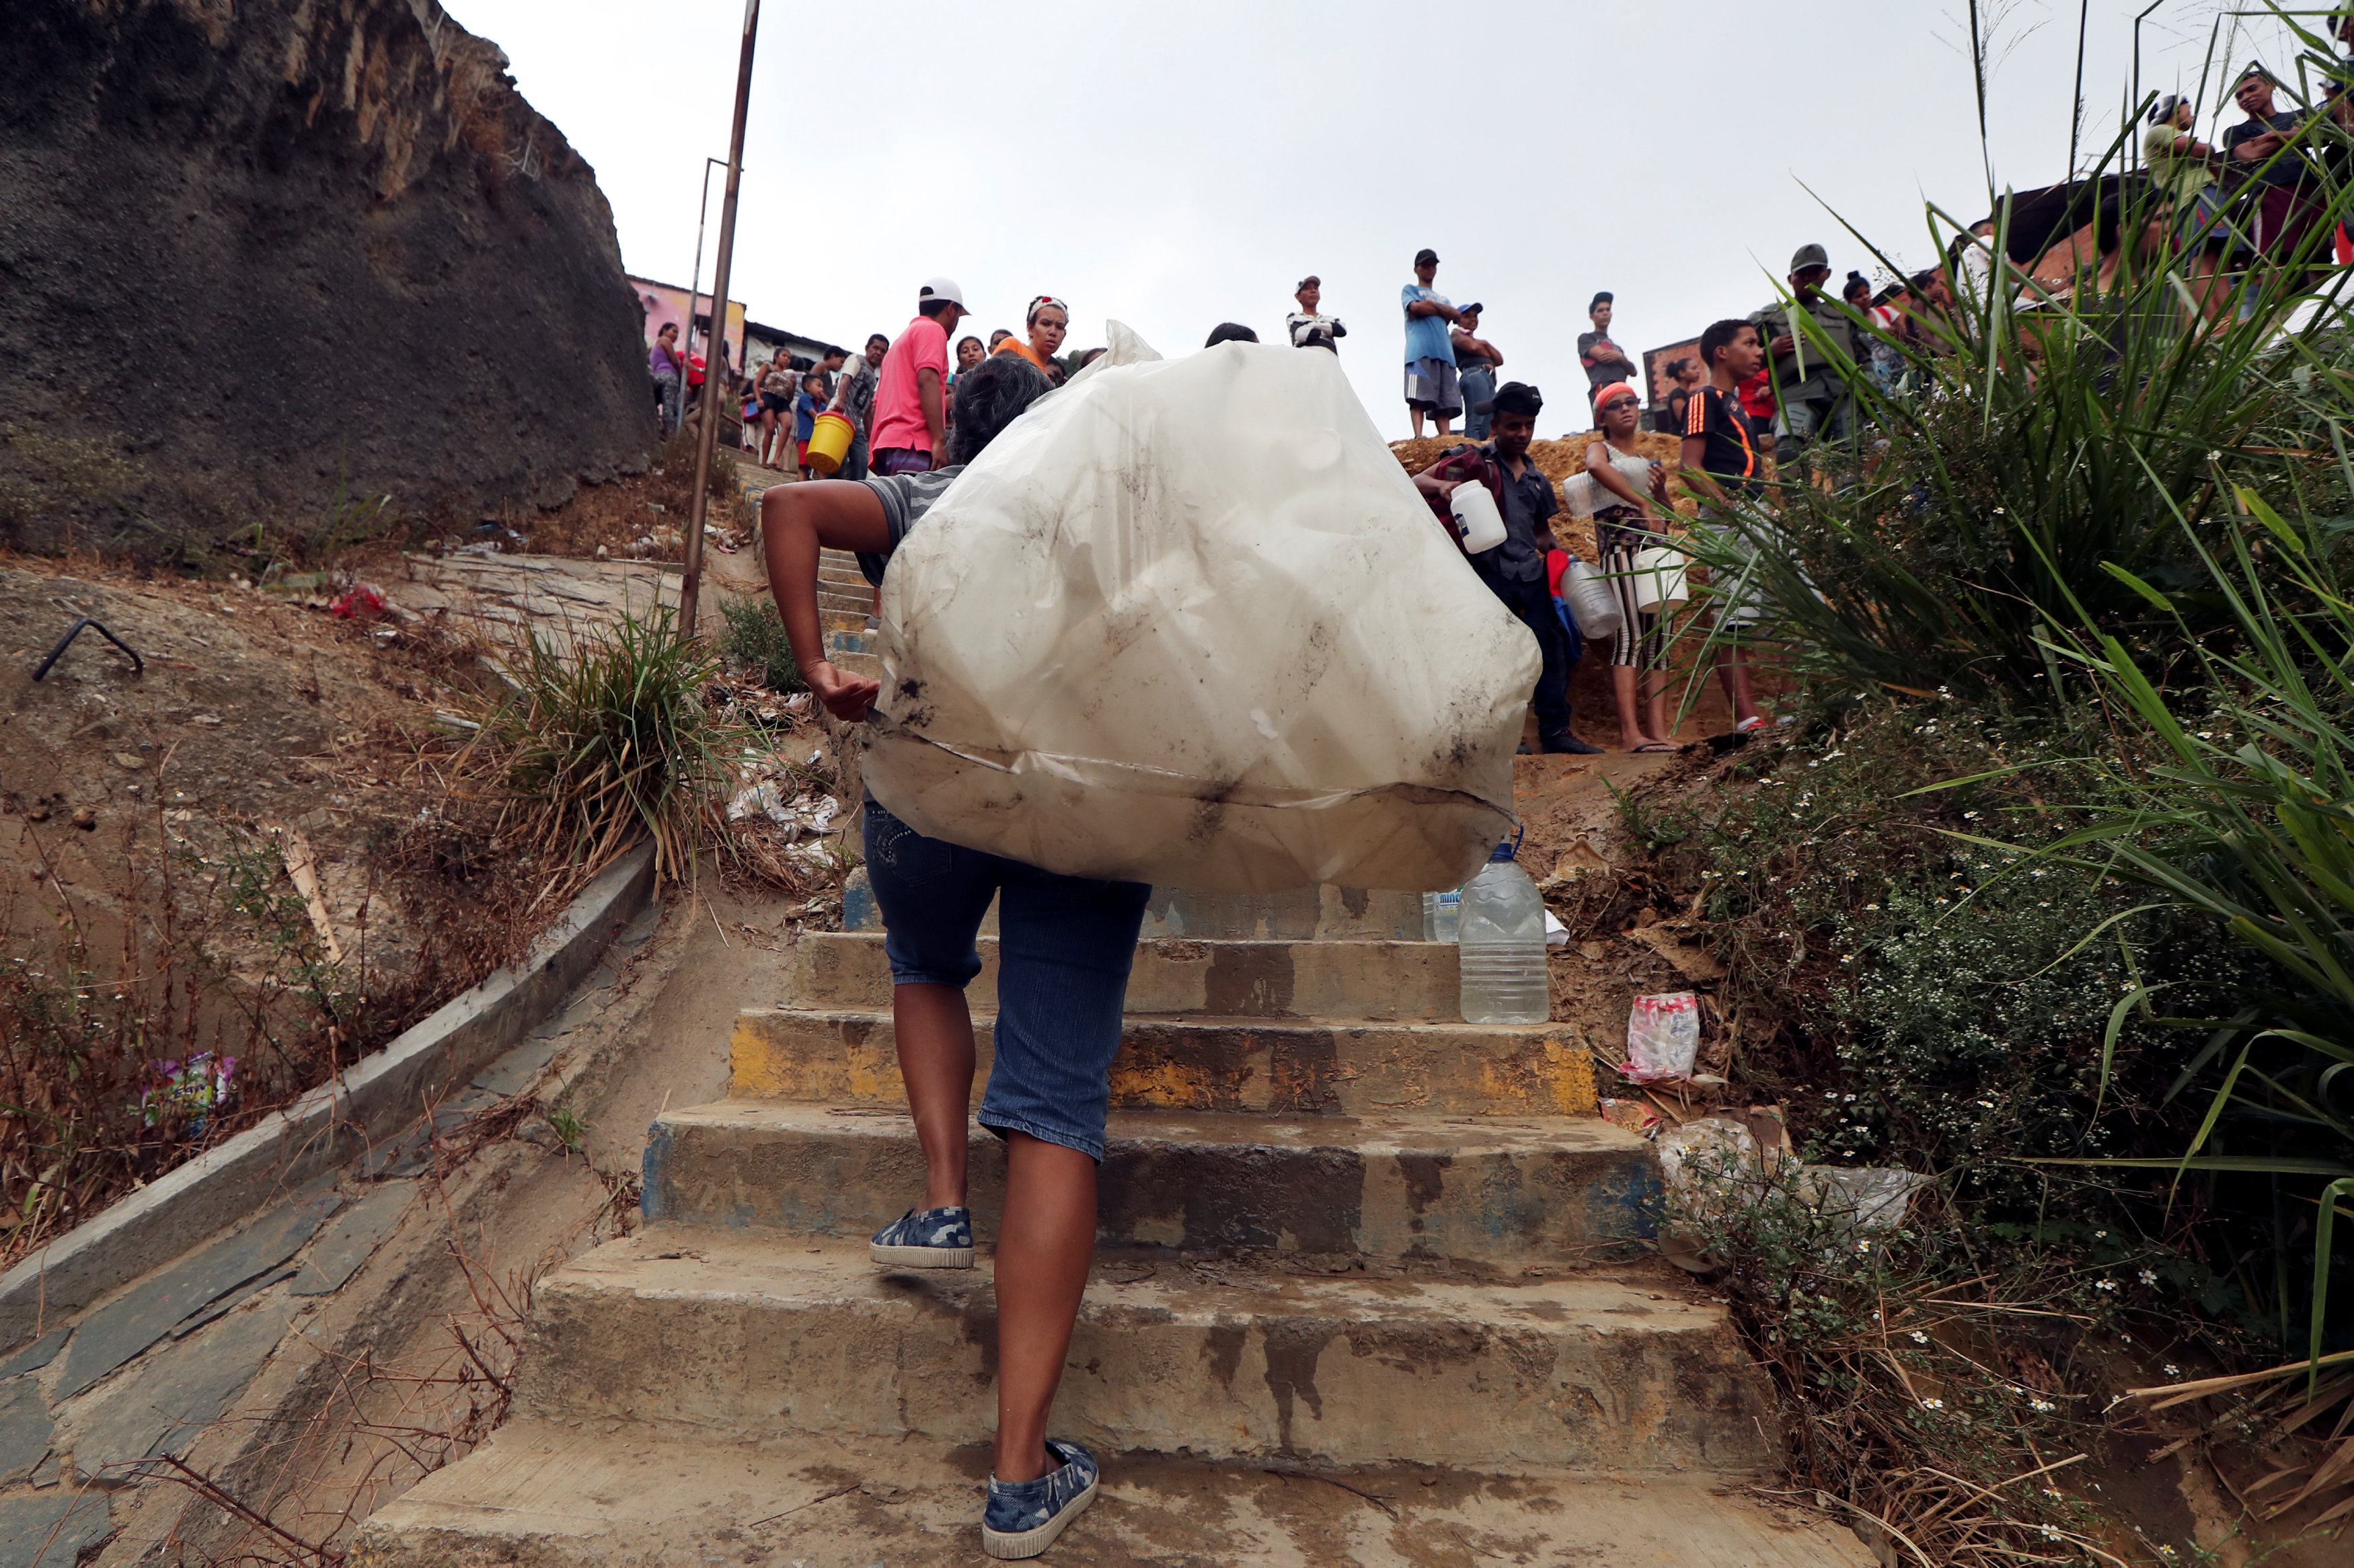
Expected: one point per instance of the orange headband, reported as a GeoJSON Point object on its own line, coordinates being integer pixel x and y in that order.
{"type": "Point", "coordinates": [1612, 391]}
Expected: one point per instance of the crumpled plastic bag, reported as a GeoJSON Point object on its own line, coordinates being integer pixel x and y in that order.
{"type": "Point", "coordinates": [808, 814]}
{"type": "Point", "coordinates": [1662, 1037]}
{"type": "Point", "coordinates": [1707, 1165]}
{"type": "Point", "coordinates": [1715, 1169]}
{"type": "Point", "coordinates": [1188, 622]}
{"type": "Point", "coordinates": [1866, 1197]}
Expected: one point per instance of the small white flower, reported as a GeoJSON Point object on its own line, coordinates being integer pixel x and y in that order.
{"type": "Point", "coordinates": [2042, 1407]}
{"type": "Point", "coordinates": [1919, 1338]}
{"type": "Point", "coordinates": [2173, 1370]}
{"type": "Point", "coordinates": [1932, 1404]}
{"type": "Point", "coordinates": [2050, 1533]}
{"type": "Point", "coordinates": [1861, 1248]}
{"type": "Point", "coordinates": [2149, 1277]}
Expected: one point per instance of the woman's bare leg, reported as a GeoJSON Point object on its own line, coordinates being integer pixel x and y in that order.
{"type": "Point", "coordinates": [1044, 1246]}
{"type": "Point", "coordinates": [1632, 731]}
{"type": "Point", "coordinates": [935, 1058]}
{"type": "Point", "coordinates": [1733, 668]}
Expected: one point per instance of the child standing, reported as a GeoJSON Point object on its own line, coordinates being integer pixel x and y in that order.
{"type": "Point", "coordinates": [1722, 467]}
{"type": "Point", "coordinates": [806, 408]}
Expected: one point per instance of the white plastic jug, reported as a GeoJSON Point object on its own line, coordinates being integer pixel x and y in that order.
{"type": "Point", "coordinates": [1502, 948]}
{"type": "Point", "coordinates": [1658, 578]}
{"type": "Point", "coordinates": [1476, 516]}
{"type": "Point", "coordinates": [1591, 603]}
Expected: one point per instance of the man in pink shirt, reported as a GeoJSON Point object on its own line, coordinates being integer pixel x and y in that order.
{"type": "Point", "coordinates": [911, 394]}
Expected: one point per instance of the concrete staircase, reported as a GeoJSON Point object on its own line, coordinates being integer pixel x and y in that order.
{"type": "Point", "coordinates": [1371, 1282]}
{"type": "Point", "coordinates": [845, 598]}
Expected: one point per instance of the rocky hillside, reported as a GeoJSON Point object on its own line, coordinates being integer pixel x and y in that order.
{"type": "Point", "coordinates": [260, 249]}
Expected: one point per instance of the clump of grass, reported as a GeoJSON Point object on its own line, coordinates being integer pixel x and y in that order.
{"type": "Point", "coordinates": [608, 739]}
{"type": "Point", "coordinates": [755, 639]}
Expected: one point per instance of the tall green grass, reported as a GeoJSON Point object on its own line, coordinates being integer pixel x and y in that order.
{"type": "Point", "coordinates": [606, 738]}
{"type": "Point", "coordinates": [2065, 429]}
{"type": "Point", "coordinates": [2238, 803]}
{"type": "Point", "coordinates": [2070, 526]}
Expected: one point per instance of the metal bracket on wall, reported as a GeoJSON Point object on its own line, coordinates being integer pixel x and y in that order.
{"type": "Point", "coordinates": [138, 665]}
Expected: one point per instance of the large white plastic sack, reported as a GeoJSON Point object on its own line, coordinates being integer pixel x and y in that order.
{"type": "Point", "coordinates": [1187, 621]}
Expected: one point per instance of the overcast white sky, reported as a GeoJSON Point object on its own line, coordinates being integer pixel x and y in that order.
{"type": "Point", "coordinates": [1174, 166]}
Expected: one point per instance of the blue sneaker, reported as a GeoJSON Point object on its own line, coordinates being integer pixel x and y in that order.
{"type": "Point", "coordinates": [926, 1238]}
{"type": "Point", "coordinates": [1023, 1517]}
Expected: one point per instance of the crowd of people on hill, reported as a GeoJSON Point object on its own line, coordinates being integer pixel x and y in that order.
{"type": "Point", "coordinates": [1768, 389]}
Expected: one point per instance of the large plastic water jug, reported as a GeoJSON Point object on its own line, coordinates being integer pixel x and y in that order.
{"type": "Point", "coordinates": [1476, 518]}
{"type": "Point", "coordinates": [1502, 948]}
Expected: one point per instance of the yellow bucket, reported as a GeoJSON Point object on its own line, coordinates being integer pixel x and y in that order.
{"type": "Point", "coordinates": [829, 441]}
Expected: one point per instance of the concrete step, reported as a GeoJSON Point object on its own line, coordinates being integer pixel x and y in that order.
{"type": "Point", "coordinates": [849, 579]}
{"type": "Point", "coordinates": [1415, 982]}
{"type": "Point", "coordinates": [1326, 914]}
{"type": "Point", "coordinates": [738, 1336]}
{"type": "Point", "coordinates": [848, 1057]}
{"type": "Point", "coordinates": [841, 620]}
{"type": "Point", "coordinates": [1481, 1195]}
{"type": "Point", "coordinates": [567, 1497]}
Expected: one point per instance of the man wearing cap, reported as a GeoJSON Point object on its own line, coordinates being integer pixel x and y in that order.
{"type": "Point", "coordinates": [911, 392]}
{"type": "Point", "coordinates": [1815, 401]}
{"type": "Point", "coordinates": [1430, 383]}
{"type": "Point", "coordinates": [1475, 363]}
{"type": "Point", "coordinates": [1606, 363]}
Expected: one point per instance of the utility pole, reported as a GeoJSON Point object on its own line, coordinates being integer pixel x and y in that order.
{"type": "Point", "coordinates": [713, 392]}
{"type": "Point", "coordinates": [694, 279]}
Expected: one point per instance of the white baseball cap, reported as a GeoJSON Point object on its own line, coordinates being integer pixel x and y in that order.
{"type": "Point", "coordinates": [947, 289]}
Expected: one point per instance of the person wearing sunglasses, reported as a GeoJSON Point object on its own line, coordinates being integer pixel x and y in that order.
{"type": "Point", "coordinates": [1630, 503]}
{"type": "Point", "coordinates": [1049, 320]}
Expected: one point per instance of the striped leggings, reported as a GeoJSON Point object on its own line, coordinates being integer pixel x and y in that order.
{"type": "Point", "coordinates": [1619, 531]}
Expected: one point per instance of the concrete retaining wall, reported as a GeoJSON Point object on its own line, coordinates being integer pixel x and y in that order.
{"type": "Point", "coordinates": [367, 1103]}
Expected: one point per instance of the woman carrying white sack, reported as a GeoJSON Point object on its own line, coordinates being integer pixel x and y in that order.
{"type": "Point", "coordinates": [1066, 947]}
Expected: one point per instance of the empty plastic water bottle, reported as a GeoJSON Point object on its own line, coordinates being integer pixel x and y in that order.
{"type": "Point", "coordinates": [1502, 945]}
{"type": "Point", "coordinates": [1441, 915]}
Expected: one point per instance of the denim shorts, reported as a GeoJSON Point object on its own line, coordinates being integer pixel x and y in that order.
{"type": "Point", "coordinates": [1065, 947]}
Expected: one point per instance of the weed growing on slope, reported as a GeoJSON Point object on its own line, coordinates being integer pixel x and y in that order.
{"type": "Point", "coordinates": [609, 738]}
{"type": "Point", "coordinates": [755, 641]}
